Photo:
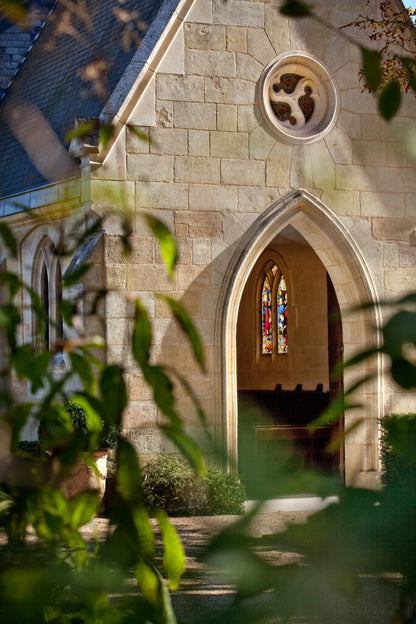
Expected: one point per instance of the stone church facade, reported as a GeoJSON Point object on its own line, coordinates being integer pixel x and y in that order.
{"type": "Point", "coordinates": [265, 159]}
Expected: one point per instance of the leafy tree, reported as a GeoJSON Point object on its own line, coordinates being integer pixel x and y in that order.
{"type": "Point", "coordinates": [396, 33]}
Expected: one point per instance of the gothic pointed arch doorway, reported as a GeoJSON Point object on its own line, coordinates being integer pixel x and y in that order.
{"type": "Point", "coordinates": [299, 215]}
{"type": "Point", "coordinates": [289, 338]}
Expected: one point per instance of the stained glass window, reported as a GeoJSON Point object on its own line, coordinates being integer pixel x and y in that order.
{"type": "Point", "coordinates": [273, 311]}
{"type": "Point", "coordinates": [266, 316]}
{"type": "Point", "coordinates": [282, 316]}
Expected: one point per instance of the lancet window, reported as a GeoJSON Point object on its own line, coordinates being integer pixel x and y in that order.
{"type": "Point", "coordinates": [273, 306]}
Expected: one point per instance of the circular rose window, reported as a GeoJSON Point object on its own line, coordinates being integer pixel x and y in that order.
{"type": "Point", "coordinates": [298, 97]}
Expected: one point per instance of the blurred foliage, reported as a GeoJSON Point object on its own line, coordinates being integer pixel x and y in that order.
{"type": "Point", "coordinates": [170, 484]}
{"type": "Point", "coordinates": [60, 578]}
{"type": "Point", "coordinates": [391, 68]}
{"type": "Point", "coordinates": [398, 444]}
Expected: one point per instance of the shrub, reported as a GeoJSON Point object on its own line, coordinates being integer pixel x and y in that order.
{"type": "Point", "coordinates": [226, 492]}
{"type": "Point", "coordinates": [79, 423]}
{"type": "Point", "coordinates": [170, 484]}
{"type": "Point", "coordinates": [398, 443]}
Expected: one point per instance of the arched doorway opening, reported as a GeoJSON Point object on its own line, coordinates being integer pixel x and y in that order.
{"type": "Point", "coordinates": [289, 341]}
{"type": "Point", "coordinates": [349, 277]}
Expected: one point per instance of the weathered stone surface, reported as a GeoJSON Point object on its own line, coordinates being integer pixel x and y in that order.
{"type": "Point", "coordinates": [201, 251]}
{"type": "Point", "coordinates": [248, 67]}
{"type": "Point", "coordinates": [323, 170]}
{"type": "Point", "coordinates": [164, 195]}
{"type": "Point", "coordinates": [259, 47]}
{"type": "Point", "coordinates": [168, 141]}
{"type": "Point", "coordinates": [382, 204]}
{"type": "Point", "coordinates": [236, 39]}
{"type": "Point", "coordinates": [197, 169]}
{"type": "Point", "coordinates": [148, 277]}
{"type": "Point", "coordinates": [213, 197]}
{"type": "Point", "coordinates": [396, 180]}
{"type": "Point", "coordinates": [238, 13]}
{"type": "Point", "coordinates": [247, 120]}
{"type": "Point", "coordinates": [198, 143]}
{"type": "Point", "coordinates": [227, 117]}
{"type": "Point", "coordinates": [253, 199]}
{"type": "Point", "coordinates": [210, 63]}
{"type": "Point", "coordinates": [300, 168]}
{"type": "Point", "coordinates": [276, 27]}
{"type": "Point", "coordinates": [179, 88]}
{"type": "Point", "coordinates": [197, 116]}
{"type": "Point", "coordinates": [234, 171]}
{"type": "Point", "coordinates": [229, 90]}
{"type": "Point", "coordinates": [278, 166]}
{"type": "Point", "coordinates": [196, 277]}
{"type": "Point", "coordinates": [370, 127]}
{"type": "Point", "coordinates": [339, 145]}
{"type": "Point", "coordinates": [374, 152]}
{"type": "Point", "coordinates": [229, 144]}
{"type": "Point", "coordinates": [342, 202]}
{"type": "Point", "coordinates": [399, 281]}
{"type": "Point", "coordinates": [156, 168]}
{"type": "Point", "coordinates": [393, 228]}
{"type": "Point", "coordinates": [336, 53]}
{"type": "Point", "coordinates": [355, 177]}
{"type": "Point", "coordinates": [205, 36]}
{"type": "Point", "coordinates": [116, 276]}
{"type": "Point", "coordinates": [200, 224]}
{"type": "Point", "coordinates": [140, 414]}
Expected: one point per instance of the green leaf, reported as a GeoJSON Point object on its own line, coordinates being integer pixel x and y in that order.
{"type": "Point", "coordinates": [295, 8]}
{"type": "Point", "coordinates": [106, 134]}
{"type": "Point", "coordinates": [128, 477]}
{"type": "Point", "coordinates": [360, 357]}
{"type": "Point", "coordinates": [187, 446]}
{"type": "Point", "coordinates": [143, 136]}
{"type": "Point", "coordinates": [6, 502]}
{"type": "Point", "coordinates": [162, 390]}
{"type": "Point", "coordinates": [82, 367]}
{"type": "Point", "coordinates": [82, 508]}
{"type": "Point", "coordinates": [69, 279]}
{"type": "Point", "coordinates": [141, 336]}
{"type": "Point", "coordinates": [92, 418]}
{"type": "Point", "coordinates": [149, 582]}
{"type": "Point", "coordinates": [11, 281]}
{"type": "Point", "coordinates": [9, 321]}
{"type": "Point", "coordinates": [168, 612]}
{"type": "Point", "coordinates": [19, 418]}
{"type": "Point", "coordinates": [31, 365]}
{"type": "Point", "coordinates": [113, 393]}
{"type": "Point", "coordinates": [390, 99]}
{"type": "Point", "coordinates": [174, 559]}
{"type": "Point", "coordinates": [195, 400]}
{"type": "Point", "coordinates": [185, 321]}
{"type": "Point", "coordinates": [166, 241]}
{"type": "Point", "coordinates": [403, 373]}
{"type": "Point", "coordinates": [399, 330]}
{"type": "Point", "coordinates": [8, 238]}
{"type": "Point", "coordinates": [144, 530]}
{"type": "Point", "coordinates": [372, 68]}
{"type": "Point", "coordinates": [66, 309]}
{"type": "Point", "coordinates": [81, 130]}
{"type": "Point", "coordinates": [56, 426]}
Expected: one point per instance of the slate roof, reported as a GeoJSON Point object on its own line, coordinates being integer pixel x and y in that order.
{"type": "Point", "coordinates": [48, 92]}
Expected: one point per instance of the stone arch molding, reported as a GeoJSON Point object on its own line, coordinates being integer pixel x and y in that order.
{"type": "Point", "coordinates": [353, 285]}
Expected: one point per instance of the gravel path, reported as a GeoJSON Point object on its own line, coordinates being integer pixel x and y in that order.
{"type": "Point", "coordinates": [204, 593]}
